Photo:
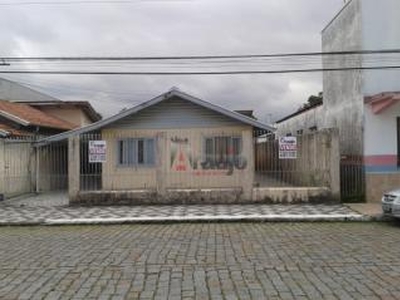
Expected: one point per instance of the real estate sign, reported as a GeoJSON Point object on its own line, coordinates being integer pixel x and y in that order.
{"type": "Point", "coordinates": [288, 147]}
{"type": "Point", "coordinates": [97, 151]}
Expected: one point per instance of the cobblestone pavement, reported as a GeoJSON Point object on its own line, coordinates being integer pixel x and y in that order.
{"type": "Point", "coordinates": [201, 261]}
{"type": "Point", "coordinates": [12, 214]}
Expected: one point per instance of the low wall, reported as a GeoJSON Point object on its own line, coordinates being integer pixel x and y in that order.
{"type": "Point", "coordinates": [205, 196]}
{"type": "Point", "coordinates": [151, 197]}
{"type": "Point", "coordinates": [377, 184]}
{"type": "Point", "coordinates": [293, 195]}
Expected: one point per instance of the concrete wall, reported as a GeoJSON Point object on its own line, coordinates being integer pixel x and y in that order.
{"type": "Point", "coordinates": [379, 183]}
{"type": "Point", "coordinates": [343, 98]}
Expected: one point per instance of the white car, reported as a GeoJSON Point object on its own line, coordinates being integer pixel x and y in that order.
{"type": "Point", "coordinates": [391, 203]}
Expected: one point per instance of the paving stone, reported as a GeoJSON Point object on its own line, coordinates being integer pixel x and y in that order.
{"type": "Point", "coordinates": [201, 261]}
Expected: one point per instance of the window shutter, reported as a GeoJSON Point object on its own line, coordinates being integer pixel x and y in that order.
{"type": "Point", "coordinates": [149, 152]}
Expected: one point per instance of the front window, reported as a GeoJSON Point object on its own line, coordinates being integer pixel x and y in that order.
{"type": "Point", "coordinates": [221, 150]}
{"type": "Point", "coordinates": [136, 152]}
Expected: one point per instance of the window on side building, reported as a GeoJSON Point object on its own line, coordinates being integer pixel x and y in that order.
{"type": "Point", "coordinates": [136, 152]}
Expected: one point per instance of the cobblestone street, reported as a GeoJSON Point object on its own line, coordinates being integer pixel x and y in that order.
{"type": "Point", "coordinates": [202, 261]}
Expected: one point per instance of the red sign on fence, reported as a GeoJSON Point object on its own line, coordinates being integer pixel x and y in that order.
{"type": "Point", "coordinates": [288, 147]}
{"type": "Point", "coordinates": [97, 151]}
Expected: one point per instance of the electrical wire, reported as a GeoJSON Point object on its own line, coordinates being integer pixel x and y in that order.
{"type": "Point", "coordinates": [391, 67]}
{"type": "Point", "coordinates": [84, 2]}
{"type": "Point", "coordinates": [197, 57]}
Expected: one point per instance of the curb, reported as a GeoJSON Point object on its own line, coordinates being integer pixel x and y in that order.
{"type": "Point", "coordinates": [194, 218]}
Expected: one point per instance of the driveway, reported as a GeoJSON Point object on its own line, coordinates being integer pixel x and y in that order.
{"type": "Point", "coordinates": [202, 261]}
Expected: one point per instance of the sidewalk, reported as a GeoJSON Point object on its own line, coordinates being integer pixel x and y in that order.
{"type": "Point", "coordinates": [39, 211]}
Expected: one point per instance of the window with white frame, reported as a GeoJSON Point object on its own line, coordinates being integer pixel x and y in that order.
{"type": "Point", "coordinates": [136, 152]}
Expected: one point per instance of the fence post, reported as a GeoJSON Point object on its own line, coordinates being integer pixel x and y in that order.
{"type": "Point", "coordinates": [162, 165]}
{"type": "Point", "coordinates": [2, 170]}
{"type": "Point", "coordinates": [73, 168]}
{"type": "Point", "coordinates": [37, 170]}
{"type": "Point", "coordinates": [334, 167]}
{"type": "Point", "coordinates": [248, 175]}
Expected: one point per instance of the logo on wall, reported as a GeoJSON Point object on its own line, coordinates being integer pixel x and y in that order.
{"type": "Point", "coordinates": [183, 160]}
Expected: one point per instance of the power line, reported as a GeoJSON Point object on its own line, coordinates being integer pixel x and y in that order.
{"type": "Point", "coordinates": [81, 2]}
{"type": "Point", "coordinates": [393, 67]}
{"type": "Point", "coordinates": [194, 57]}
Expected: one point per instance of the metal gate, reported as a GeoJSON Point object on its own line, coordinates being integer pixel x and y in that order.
{"type": "Point", "coordinates": [17, 167]}
{"type": "Point", "coordinates": [52, 167]}
{"type": "Point", "coordinates": [352, 179]}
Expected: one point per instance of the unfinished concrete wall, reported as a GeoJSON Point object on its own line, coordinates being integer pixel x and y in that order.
{"type": "Point", "coordinates": [343, 98]}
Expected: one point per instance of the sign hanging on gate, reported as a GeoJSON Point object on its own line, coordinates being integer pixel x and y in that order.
{"type": "Point", "coordinates": [97, 151]}
{"type": "Point", "coordinates": [288, 147]}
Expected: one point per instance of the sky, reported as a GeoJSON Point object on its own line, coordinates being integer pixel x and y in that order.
{"type": "Point", "coordinates": [169, 28]}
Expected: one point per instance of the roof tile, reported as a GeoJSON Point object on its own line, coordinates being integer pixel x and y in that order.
{"type": "Point", "coordinates": [34, 116]}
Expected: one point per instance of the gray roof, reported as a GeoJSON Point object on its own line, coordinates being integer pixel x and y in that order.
{"type": "Point", "coordinates": [172, 93]}
{"type": "Point", "coordinates": [14, 91]}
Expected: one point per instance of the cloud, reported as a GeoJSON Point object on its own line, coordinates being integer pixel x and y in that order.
{"type": "Point", "coordinates": [162, 28]}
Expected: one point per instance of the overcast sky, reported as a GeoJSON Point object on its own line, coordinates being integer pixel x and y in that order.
{"type": "Point", "coordinates": [164, 28]}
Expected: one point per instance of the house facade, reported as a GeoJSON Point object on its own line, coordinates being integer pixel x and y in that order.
{"type": "Point", "coordinates": [363, 104]}
{"type": "Point", "coordinates": [20, 126]}
{"type": "Point", "coordinates": [172, 148]}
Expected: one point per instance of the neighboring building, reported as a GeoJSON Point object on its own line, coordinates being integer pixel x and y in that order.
{"type": "Point", "coordinates": [25, 116]}
{"type": "Point", "coordinates": [303, 121]}
{"type": "Point", "coordinates": [171, 145]}
{"type": "Point", "coordinates": [18, 120]}
{"type": "Point", "coordinates": [20, 126]}
{"type": "Point", "coordinates": [362, 104]}
{"type": "Point", "coordinates": [80, 113]}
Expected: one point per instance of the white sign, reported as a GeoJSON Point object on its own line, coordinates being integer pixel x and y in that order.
{"type": "Point", "coordinates": [288, 147]}
{"type": "Point", "coordinates": [97, 151]}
